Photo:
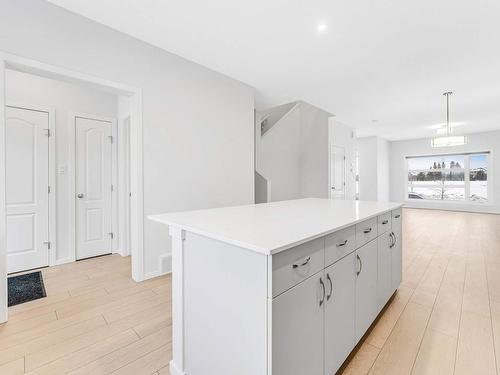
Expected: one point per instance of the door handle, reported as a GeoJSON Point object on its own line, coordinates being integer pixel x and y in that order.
{"type": "Point", "coordinates": [366, 231]}
{"type": "Point", "coordinates": [331, 286]}
{"type": "Point", "coordinates": [360, 265]}
{"type": "Point", "coordinates": [385, 222]}
{"type": "Point", "coordinates": [393, 236]}
{"type": "Point", "coordinates": [324, 292]}
{"type": "Point", "coordinates": [80, 195]}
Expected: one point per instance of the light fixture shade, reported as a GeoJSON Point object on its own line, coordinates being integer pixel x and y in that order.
{"type": "Point", "coordinates": [458, 140]}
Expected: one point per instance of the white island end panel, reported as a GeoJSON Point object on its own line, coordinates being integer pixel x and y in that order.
{"type": "Point", "coordinates": [225, 308]}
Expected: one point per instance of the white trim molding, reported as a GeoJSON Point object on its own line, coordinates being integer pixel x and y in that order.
{"type": "Point", "coordinates": [177, 364]}
{"type": "Point", "coordinates": [3, 206]}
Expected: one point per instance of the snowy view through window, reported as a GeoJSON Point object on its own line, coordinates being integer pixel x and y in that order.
{"type": "Point", "coordinates": [449, 177]}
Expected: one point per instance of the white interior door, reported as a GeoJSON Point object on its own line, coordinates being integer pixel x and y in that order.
{"type": "Point", "coordinates": [337, 172]}
{"type": "Point", "coordinates": [27, 181]}
{"type": "Point", "coordinates": [93, 187]}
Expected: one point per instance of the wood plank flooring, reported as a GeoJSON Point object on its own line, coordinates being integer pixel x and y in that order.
{"type": "Point", "coordinates": [444, 319]}
{"type": "Point", "coordinates": [94, 320]}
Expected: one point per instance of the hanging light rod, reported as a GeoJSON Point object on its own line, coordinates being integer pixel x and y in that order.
{"type": "Point", "coordinates": [449, 140]}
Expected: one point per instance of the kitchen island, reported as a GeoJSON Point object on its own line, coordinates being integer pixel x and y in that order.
{"type": "Point", "coordinates": [279, 288]}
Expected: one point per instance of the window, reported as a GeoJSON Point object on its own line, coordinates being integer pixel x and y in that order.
{"type": "Point", "coordinates": [453, 177]}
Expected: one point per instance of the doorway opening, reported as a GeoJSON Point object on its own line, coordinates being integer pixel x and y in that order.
{"type": "Point", "coordinates": [71, 174]}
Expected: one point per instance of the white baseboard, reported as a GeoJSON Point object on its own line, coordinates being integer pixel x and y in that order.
{"type": "Point", "coordinates": [121, 252]}
{"type": "Point", "coordinates": [64, 261]}
{"type": "Point", "coordinates": [164, 267]}
{"type": "Point", "coordinates": [174, 370]}
{"type": "Point", "coordinates": [152, 274]}
{"type": "Point", "coordinates": [469, 209]}
{"type": "Point", "coordinates": [166, 263]}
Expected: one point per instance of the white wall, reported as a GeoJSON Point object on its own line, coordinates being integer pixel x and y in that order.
{"type": "Point", "coordinates": [30, 90]}
{"type": "Point", "coordinates": [313, 160]}
{"type": "Point", "coordinates": [293, 153]}
{"type": "Point", "coordinates": [368, 169]}
{"type": "Point", "coordinates": [277, 155]}
{"type": "Point", "coordinates": [383, 190]}
{"type": "Point", "coordinates": [489, 141]}
{"type": "Point", "coordinates": [373, 169]}
{"type": "Point", "coordinates": [197, 124]}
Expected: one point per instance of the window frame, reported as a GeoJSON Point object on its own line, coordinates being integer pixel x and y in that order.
{"type": "Point", "coordinates": [465, 168]}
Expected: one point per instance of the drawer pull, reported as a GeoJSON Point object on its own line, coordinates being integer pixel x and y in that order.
{"type": "Point", "coordinates": [302, 264]}
{"type": "Point", "coordinates": [397, 216]}
{"type": "Point", "coordinates": [366, 231]}
{"type": "Point", "coordinates": [324, 292]}
{"type": "Point", "coordinates": [342, 243]}
{"type": "Point", "coordinates": [331, 286]}
{"type": "Point", "coordinates": [385, 222]}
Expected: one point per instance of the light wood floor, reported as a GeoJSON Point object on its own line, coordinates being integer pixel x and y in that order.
{"type": "Point", "coordinates": [445, 318]}
{"type": "Point", "coordinates": [95, 319]}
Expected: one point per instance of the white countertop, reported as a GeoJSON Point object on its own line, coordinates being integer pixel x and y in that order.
{"type": "Point", "coordinates": [269, 228]}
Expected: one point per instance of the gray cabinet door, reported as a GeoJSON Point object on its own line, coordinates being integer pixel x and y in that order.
{"type": "Point", "coordinates": [366, 287]}
{"type": "Point", "coordinates": [397, 251]}
{"type": "Point", "coordinates": [340, 312]}
{"type": "Point", "coordinates": [298, 329]}
{"type": "Point", "coordinates": [384, 282]}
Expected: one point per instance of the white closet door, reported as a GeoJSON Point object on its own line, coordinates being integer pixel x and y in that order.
{"type": "Point", "coordinates": [27, 180]}
{"type": "Point", "coordinates": [93, 187]}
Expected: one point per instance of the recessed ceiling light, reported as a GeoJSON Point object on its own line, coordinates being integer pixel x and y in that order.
{"type": "Point", "coordinates": [321, 27]}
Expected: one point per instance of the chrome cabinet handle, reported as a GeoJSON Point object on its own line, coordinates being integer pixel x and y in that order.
{"type": "Point", "coordinates": [302, 264]}
{"type": "Point", "coordinates": [393, 235]}
{"type": "Point", "coordinates": [391, 240]}
{"type": "Point", "coordinates": [342, 243]}
{"type": "Point", "coordinates": [80, 195]}
{"type": "Point", "coordinates": [366, 231]}
{"type": "Point", "coordinates": [385, 222]}
{"type": "Point", "coordinates": [397, 216]}
{"type": "Point", "coordinates": [360, 265]}
{"type": "Point", "coordinates": [324, 292]}
{"type": "Point", "coordinates": [331, 286]}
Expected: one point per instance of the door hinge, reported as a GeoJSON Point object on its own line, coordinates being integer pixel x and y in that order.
{"type": "Point", "coordinates": [47, 132]}
{"type": "Point", "coordinates": [112, 235]}
{"type": "Point", "coordinates": [48, 189]}
{"type": "Point", "coordinates": [110, 138]}
{"type": "Point", "coordinates": [48, 244]}
{"type": "Point", "coordinates": [112, 187]}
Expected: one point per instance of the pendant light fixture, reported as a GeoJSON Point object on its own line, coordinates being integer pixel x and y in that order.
{"type": "Point", "coordinates": [448, 140]}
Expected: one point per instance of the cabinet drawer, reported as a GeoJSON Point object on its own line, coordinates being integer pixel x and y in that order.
{"type": "Point", "coordinates": [397, 217]}
{"type": "Point", "coordinates": [339, 244]}
{"type": "Point", "coordinates": [384, 223]}
{"type": "Point", "coordinates": [366, 231]}
{"type": "Point", "coordinates": [294, 265]}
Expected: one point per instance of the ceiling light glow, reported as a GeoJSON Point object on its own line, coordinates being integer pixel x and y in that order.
{"type": "Point", "coordinates": [321, 27]}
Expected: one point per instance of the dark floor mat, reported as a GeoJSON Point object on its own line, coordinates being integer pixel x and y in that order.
{"type": "Point", "coordinates": [25, 288]}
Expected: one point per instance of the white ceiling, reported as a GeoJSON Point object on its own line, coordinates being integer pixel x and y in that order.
{"type": "Point", "coordinates": [380, 66]}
